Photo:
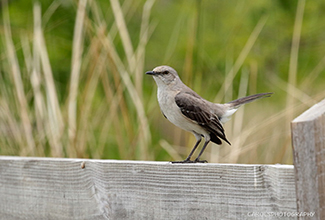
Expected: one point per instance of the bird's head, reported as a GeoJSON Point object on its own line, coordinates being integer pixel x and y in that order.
{"type": "Point", "coordinates": [164, 75]}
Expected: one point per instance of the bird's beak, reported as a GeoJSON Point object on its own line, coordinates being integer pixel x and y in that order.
{"type": "Point", "coordinates": [151, 73]}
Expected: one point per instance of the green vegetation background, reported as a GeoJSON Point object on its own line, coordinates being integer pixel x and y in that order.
{"type": "Point", "coordinates": [73, 85]}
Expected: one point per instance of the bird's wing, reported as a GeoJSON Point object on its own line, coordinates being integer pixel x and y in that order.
{"type": "Point", "coordinates": [197, 109]}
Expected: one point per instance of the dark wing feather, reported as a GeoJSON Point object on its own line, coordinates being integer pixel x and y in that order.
{"type": "Point", "coordinates": [197, 110]}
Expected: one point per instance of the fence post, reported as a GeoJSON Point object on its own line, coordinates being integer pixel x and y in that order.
{"type": "Point", "coordinates": [308, 142]}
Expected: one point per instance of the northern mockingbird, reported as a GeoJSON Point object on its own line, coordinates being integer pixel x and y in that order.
{"type": "Point", "coordinates": [186, 109]}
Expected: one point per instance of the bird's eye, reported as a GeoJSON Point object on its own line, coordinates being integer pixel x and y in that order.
{"type": "Point", "coordinates": [165, 72]}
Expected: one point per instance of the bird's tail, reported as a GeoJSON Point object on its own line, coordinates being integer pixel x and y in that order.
{"type": "Point", "coordinates": [238, 102]}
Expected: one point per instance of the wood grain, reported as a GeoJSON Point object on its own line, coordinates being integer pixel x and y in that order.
{"type": "Point", "coordinates": [49, 188]}
{"type": "Point", "coordinates": [308, 141]}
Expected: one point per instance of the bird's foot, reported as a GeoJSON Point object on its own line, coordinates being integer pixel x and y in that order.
{"type": "Point", "coordinates": [200, 161]}
{"type": "Point", "coordinates": [190, 161]}
{"type": "Point", "coordinates": [187, 160]}
{"type": "Point", "coordinates": [183, 161]}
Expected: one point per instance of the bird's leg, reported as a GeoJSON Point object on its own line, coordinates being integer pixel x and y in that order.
{"type": "Point", "coordinates": [188, 159]}
{"type": "Point", "coordinates": [197, 160]}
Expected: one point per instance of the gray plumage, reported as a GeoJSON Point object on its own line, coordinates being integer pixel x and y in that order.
{"type": "Point", "coordinates": [189, 111]}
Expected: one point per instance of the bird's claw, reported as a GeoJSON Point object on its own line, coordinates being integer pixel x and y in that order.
{"type": "Point", "coordinates": [183, 161]}
{"type": "Point", "coordinates": [190, 161]}
{"type": "Point", "coordinates": [200, 161]}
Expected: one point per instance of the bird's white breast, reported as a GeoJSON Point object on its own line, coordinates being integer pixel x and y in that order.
{"type": "Point", "coordinates": [170, 109]}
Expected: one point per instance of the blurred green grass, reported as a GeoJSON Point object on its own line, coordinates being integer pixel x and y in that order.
{"type": "Point", "coordinates": [73, 85]}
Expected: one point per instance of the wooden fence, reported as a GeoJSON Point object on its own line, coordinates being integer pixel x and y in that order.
{"type": "Point", "coordinates": [46, 188]}
{"type": "Point", "coordinates": [308, 141]}
{"type": "Point", "coordinates": [52, 188]}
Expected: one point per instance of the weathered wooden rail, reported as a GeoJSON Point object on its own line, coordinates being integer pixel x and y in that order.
{"type": "Point", "coordinates": [52, 188]}
{"type": "Point", "coordinates": [46, 188]}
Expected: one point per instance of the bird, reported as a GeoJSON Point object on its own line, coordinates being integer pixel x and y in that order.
{"type": "Point", "coordinates": [189, 111]}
